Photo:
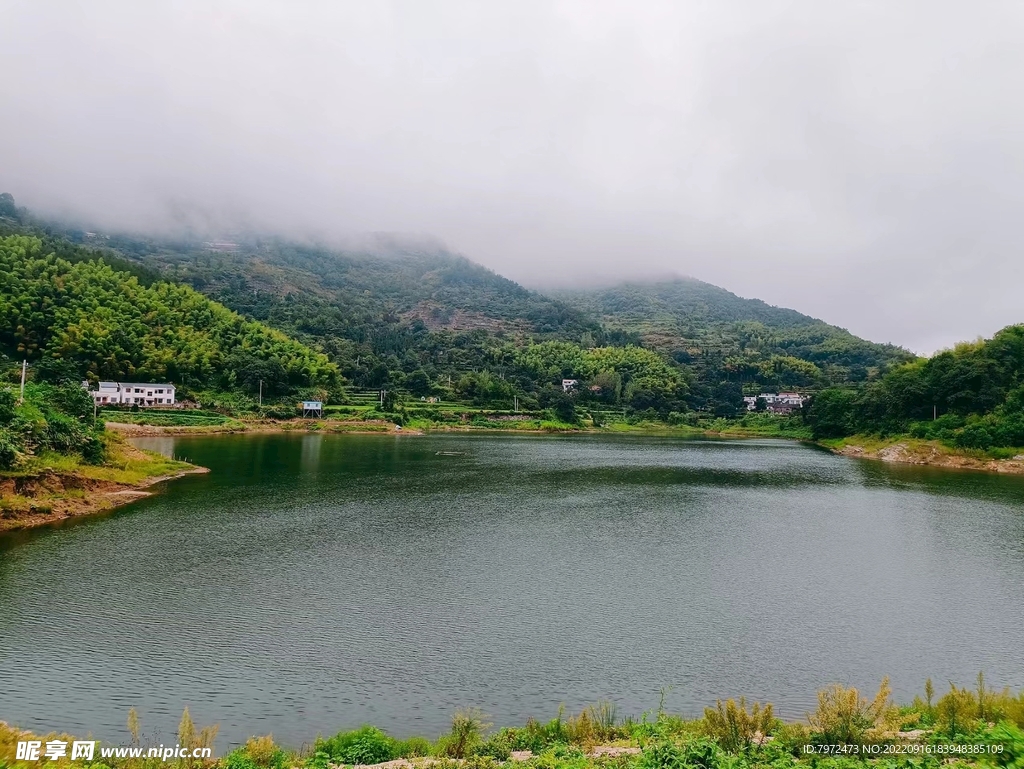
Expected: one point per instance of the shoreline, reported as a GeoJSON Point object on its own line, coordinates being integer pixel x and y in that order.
{"type": "Point", "coordinates": [901, 450]}
{"type": "Point", "coordinates": [908, 451]}
{"type": "Point", "coordinates": [51, 495]}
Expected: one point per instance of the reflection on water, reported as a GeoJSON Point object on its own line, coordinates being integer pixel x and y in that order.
{"type": "Point", "coordinates": [314, 582]}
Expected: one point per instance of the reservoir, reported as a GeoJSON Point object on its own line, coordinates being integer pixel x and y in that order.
{"type": "Point", "coordinates": [311, 583]}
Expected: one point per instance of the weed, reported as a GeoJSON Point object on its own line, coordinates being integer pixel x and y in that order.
{"type": "Point", "coordinates": [468, 727]}
{"type": "Point", "coordinates": [844, 717]}
{"type": "Point", "coordinates": [736, 729]}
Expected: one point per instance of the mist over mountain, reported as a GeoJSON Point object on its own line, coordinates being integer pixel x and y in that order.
{"type": "Point", "coordinates": [408, 314]}
{"type": "Point", "coordinates": [858, 161]}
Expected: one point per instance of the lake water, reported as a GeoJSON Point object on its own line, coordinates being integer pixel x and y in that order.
{"type": "Point", "coordinates": [312, 582]}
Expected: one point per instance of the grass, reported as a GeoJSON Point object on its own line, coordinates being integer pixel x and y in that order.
{"type": "Point", "coordinates": [847, 730]}
{"type": "Point", "coordinates": [123, 464]}
{"type": "Point", "coordinates": [167, 418]}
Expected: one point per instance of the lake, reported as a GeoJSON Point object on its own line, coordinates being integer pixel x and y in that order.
{"type": "Point", "coordinates": [316, 582]}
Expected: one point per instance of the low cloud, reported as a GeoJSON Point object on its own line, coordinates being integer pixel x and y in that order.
{"type": "Point", "coordinates": [858, 162]}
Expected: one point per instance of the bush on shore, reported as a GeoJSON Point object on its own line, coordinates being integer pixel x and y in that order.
{"type": "Point", "coordinates": [845, 731]}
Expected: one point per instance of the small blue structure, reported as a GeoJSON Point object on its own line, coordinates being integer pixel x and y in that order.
{"type": "Point", "coordinates": [312, 409]}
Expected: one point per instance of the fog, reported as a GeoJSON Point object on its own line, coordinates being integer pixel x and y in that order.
{"type": "Point", "coordinates": [860, 162]}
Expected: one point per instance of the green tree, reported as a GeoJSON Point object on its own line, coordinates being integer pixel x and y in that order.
{"type": "Point", "coordinates": [832, 413]}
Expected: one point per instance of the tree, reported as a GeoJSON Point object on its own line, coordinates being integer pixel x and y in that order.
{"type": "Point", "coordinates": [565, 408]}
{"type": "Point", "coordinates": [418, 382]}
{"type": "Point", "coordinates": [57, 370]}
{"type": "Point", "coordinates": [832, 413]}
{"type": "Point", "coordinates": [7, 206]}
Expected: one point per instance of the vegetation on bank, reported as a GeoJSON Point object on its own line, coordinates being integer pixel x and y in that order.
{"type": "Point", "coordinates": [52, 419]}
{"type": "Point", "coordinates": [964, 726]}
{"type": "Point", "coordinates": [56, 459]}
{"type": "Point", "coordinates": [970, 398]}
{"type": "Point", "coordinates": [51, 485]}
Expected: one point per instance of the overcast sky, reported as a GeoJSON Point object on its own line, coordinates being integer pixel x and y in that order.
{"type": "Point", "coordinates": [862, 162]}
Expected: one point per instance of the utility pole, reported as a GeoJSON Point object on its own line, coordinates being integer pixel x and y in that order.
{"type": "Point", "coordinates": [24, 365]}
{"type": "Point", "coordinates": [261, 393]}
{"type": "Point", "coordinates": [935, 412]}
{"type": "Point", "coordinates": [515, 404]}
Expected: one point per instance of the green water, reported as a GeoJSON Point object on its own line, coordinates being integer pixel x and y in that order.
{"type": "Point", "coordinates": [312, 582]}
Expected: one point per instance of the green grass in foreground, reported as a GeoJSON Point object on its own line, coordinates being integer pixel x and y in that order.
{"type": "Point", "coordinates": [976, 726]}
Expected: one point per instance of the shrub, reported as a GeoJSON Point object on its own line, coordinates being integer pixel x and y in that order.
{"type": "Point", "coordinates": [468, 727]}
{"type": "Point", "coordinates": [94, 450]}
{"type": "Point", "coordinates": [562, 756]}
{"type": "Point", "coordinates": [498, 747]}
{"type": "Point", "coordinates": [595, 724]}
{"type": "Point", "coordinates": [1011, 738]}
{"type": "Point", "coordinates": [957, 712]}
{"type": "Point", "coordinates": [257, 753]}
{"type": "Point", "coordinates": [735, 729]}
{"type": "Point", "coordinates": [319, 760]}
{"type": "Point", "coordinates": [62, 433]}
{"type": "Point", "coordinates": [665, 754]}
{"type": "Point", "coordinates": [791, 738]}
{"type": "Point", "coordinates": [8, 404]}
{"type": "Point", "coordinates": [844, 717]}
{"type": "Point", "coordinates": [366, 745]}
{"type": "Point", "coordinates": [10, 449]}
{"type": "Point", "coordinates": [412, 747]}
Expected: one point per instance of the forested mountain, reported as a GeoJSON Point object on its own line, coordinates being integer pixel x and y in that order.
{"type": "Point", "coordinates": [427, 321]}
{"type": "Point", "coordinates": [350, 293]}
{"type": "Point", "coordinates": [690, 319]}
{"type": "Point", "coordinates": [76, 317]}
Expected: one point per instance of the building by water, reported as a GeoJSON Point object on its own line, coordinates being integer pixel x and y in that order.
{"type": "Point", "coordinates": [133, 394]}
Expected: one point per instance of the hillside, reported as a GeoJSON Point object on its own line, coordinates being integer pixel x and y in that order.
{"type": "Point", "coordinates": [74, 317]}
{"type": "Point", "coordinates": [688, 318]}
{"type": "Point", "coordinates": [345, 291]}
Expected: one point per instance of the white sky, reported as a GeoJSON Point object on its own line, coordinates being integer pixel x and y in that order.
{"type": "Point", "coordinates": [861, 162]}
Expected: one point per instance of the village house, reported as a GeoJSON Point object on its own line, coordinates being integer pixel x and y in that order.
{"type": "Point", "coordinates": [568, 385]}
{"type": "Point", "coordinates": [133, 394]}
{"type": "Point", "coordinates": [777, 403]}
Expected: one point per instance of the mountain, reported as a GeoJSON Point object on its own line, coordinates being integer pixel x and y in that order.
{"type": "Point", "coordinates": [688, 319]}
{"type": "Point", "coordinates": [427, 322]}
{"type": "Point", "coordinates": [349, 290]}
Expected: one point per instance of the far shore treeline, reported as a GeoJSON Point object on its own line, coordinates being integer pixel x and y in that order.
{"type": "Point", "coordinates": [229, 322]}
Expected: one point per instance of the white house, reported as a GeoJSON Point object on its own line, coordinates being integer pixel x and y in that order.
{"type": "Point", "coordinates": [133, 394]}
{"type": "Point", "coordinates": [569, 384]}
{"type": "Point", "coordinates": [776, 401]}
